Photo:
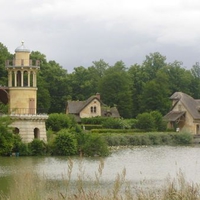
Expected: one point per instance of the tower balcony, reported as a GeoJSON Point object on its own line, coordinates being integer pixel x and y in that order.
{"type": "Point", "coordinates": [22, 63]}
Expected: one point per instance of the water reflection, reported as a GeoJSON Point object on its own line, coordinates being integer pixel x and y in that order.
{"type": "Point", "coordinates": [149, 165]}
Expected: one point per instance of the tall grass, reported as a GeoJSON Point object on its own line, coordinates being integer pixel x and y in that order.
{"type": "Point", "coordinates": [30, 186]}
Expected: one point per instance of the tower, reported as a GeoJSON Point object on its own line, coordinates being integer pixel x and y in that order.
{"type": "Point", "coordinates": [22, 87]}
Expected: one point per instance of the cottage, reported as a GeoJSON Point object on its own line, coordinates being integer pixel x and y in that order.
{"type": "Point", "coordinates": [92, 107]}
{"type": "Point", "coordinates": [184, 114]}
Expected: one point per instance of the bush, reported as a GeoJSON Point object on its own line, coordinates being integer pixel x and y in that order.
{"type": "Point", "coordinates": [65, 144]}
{"type": "Point", "coordinates": [95, 145]}
{"type": "Point", "coordinates": [145, 121]}
{"type": "Point", "coordinates": [6, 136]}
{"type": "Point", "coordinates": [57, 121]}
{"type": "Point", "coordinates": [113, 123]}
{"type": "Point", "coordinates": [93, 120]}
{"type": "Point", "coordinates": [37, 147]}
{"type": "Point", "coordinates": [159, 124]}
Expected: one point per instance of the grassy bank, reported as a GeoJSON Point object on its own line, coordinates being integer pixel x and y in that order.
{"type": "Point", "coordinates": [30, 186]}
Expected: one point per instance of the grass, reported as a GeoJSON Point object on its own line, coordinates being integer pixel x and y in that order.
{"type": "Point", "coordinates": [29, 186]}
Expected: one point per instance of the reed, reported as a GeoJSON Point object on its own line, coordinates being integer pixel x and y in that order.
{"type": "Point", "coordinates": [30, 186]}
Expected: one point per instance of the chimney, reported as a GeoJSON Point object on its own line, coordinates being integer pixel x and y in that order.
{"type": "Point", "coordinates": [98, 96]}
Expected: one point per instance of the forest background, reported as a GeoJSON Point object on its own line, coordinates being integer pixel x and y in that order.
{"type": "Point", "coordinates": [134, 89]}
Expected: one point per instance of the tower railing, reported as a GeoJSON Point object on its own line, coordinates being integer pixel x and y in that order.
{"type": "Point", "coordinates": [27, 111]}
{"type": "Point", "coordinates": [22, 62]}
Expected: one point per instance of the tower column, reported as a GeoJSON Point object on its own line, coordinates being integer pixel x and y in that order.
{"type": "Point", "coordinates": [10, 79]}
{"type": "Point", "coordinates": [22, 78]}
{"type": "Point", "coordinates": [15, 73]}
{"type": "Point", "coordinates": [29, 74]}
{"type": "Point", "coordinates": [34, 79]}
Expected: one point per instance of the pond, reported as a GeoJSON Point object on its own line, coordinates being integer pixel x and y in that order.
{"type": "Point", "coordinates": [150, 166]}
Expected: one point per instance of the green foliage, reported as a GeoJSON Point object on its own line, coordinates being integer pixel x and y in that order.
{"type": "Point", "coordinates": [57, 121]}
{"type": "Point", "coordinates": [145, 121]}
{"type": "Point", "coordinates": [6, 136]}
{"type": "Point", "coordinates": [115, 89]}
{"type": "Point", "coordinates": [37, 147]}
{"type": "Point", "coordinates": [152, 138]}
{"type": "Point", "coordinates": [113, 123]}
{"type": "Point", "coordinates": [159, 124]}
{"type": "Point", "coordinates": [93, 120]}
{"type": "Point", "coordinates": [3, 108]}
{"type": "Point", "coordinates": [65, 144]}
{"type": "Point", "coordinates": [94, 145]}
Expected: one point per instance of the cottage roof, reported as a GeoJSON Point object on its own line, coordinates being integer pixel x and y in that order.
{"type": "Point", "coordinates": [112, 111]}
{"type": "Point", "coordinates": [191, 105]}
{"type": "Point", "coordinates": [74, 107]}
{"type": "Point", "coordinates": [173, 115]}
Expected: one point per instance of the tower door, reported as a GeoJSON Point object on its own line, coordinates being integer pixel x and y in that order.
{"type": "Point", "coordinates": [31, 106]}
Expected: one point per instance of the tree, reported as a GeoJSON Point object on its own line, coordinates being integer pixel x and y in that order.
{"type": "Point", "coordinates": [4, 55]}
{"type": "Point", "coordinates": [115, 89]}
{"type": "Point", "coordinates": [6, 136]}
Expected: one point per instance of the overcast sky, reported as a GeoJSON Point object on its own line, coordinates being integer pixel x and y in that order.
{"type": "Point", "coordinates": [77, 32]}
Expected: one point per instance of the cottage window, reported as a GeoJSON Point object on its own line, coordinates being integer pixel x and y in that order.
{"type": "Point", "coordinates": [95, 109]}
{"type": "Point", "coordinates": [91, 109]}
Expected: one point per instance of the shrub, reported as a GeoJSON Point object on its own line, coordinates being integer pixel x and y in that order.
{"type": "Point", "coordinates": [159, 124]}
{"type": "Point", "coordinates": [145, 121]}
{"type": "Point", "coordinates": [6, 136]}
{"type": "Point", "coordinates": [57, 121]}
{"type": "Point", "coordinates": [113, 123]}
{"type": "Point", "coordinates": [93, 120]}
{"type": "Point", "coordinates": [37, 147]}
{"type": "Point", "coordinates": [64, 144]}
{"type": "Point", "coordinates": [95, 145]}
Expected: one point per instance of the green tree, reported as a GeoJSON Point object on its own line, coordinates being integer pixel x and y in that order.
{"type": "Point", "coordinates": [4, 55]}
{"type": "Point", "coordinates": [195, 82]}
{"type": "Point", "coordinates": [6, 136]}
{"type": "Point", "coordinates": [115, 89]}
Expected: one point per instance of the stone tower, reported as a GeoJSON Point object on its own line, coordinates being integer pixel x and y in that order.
{"type": "Point", "coordinates": [22, 87]}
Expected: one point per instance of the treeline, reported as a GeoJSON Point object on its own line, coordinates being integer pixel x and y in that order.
{"type": "Point", "coordinates": [134, 89]}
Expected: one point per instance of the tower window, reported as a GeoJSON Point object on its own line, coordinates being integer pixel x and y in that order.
{"type": "Point", "coordinates": [95, 109]}
{"type": "Point", "coordinates": [16, 130]}
{"type": "Point", "coordinates": [36, 133]}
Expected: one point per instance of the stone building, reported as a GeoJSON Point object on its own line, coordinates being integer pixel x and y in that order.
{"type": "Point", "coordinates": [184, 113]}
{"type": "Point", "coordinates": [22, 96]}
{"type": "Point", "coordinates": [92, 107]}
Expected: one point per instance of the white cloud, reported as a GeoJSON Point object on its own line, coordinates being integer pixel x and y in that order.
{"type": "Point", "coordinates": [76, 32]}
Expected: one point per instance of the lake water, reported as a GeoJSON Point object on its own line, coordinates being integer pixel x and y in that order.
{"type": "Point", "coordinates": [149, 165]}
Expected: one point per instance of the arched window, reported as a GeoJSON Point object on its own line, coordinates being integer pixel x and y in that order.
{"type": "Point", "coordinates": [25, 78]}
{"type": "Point", "coordinates": [36, 133]}
{"type": "Point", "coordinates": [31, 79]}
{"type": "Point", "coordinates": [18, 78]}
